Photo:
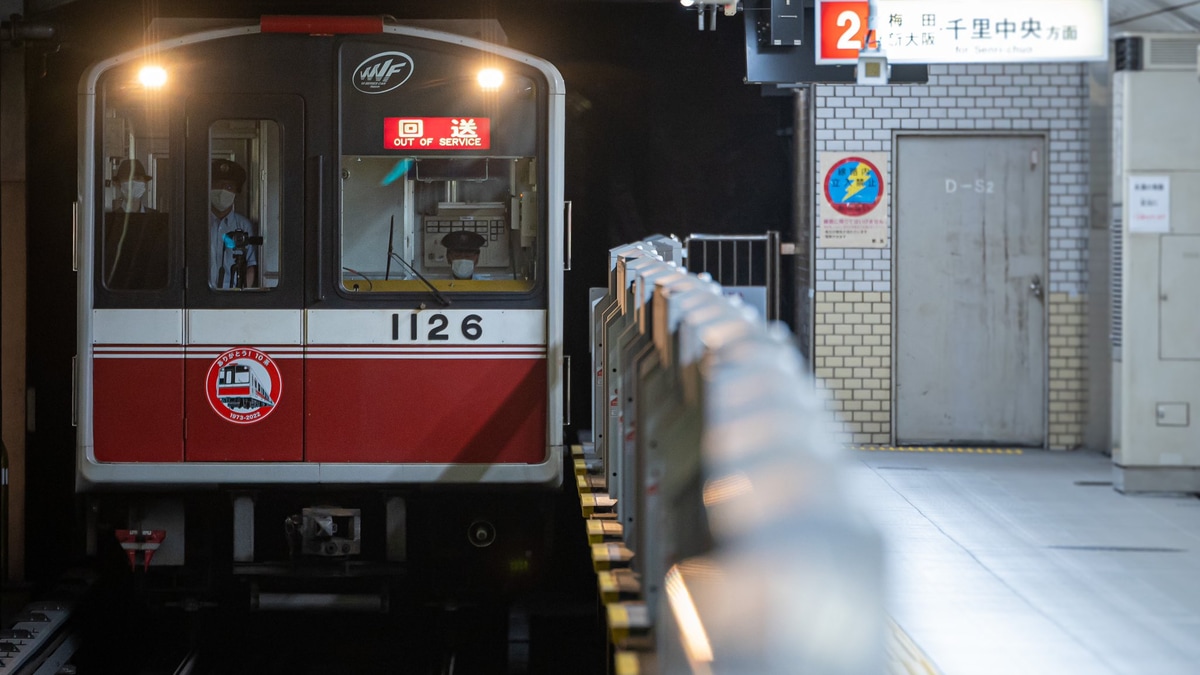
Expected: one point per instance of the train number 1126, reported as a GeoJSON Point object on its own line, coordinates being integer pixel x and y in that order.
{"type": "Point", "coordinates": [437, 327]}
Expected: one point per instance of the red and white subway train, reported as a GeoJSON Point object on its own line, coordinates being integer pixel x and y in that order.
{"type": "Point", "coordinates": [274, 323]}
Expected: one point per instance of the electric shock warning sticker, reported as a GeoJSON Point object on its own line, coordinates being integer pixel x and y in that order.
{"type": "Point", "coordinates": [853, 211]}
{"type": "Point", "coordinates": [243, 385]}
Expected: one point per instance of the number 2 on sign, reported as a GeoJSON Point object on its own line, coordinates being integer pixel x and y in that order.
{"type": "Point", "coordinates": [841, 30]}
{"type": "Point", "coordinates": [847, 41]}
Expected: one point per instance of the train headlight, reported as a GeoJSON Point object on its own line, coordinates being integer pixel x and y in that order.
{"type": "Point", "coordinates": [152, 77]}
{"type": "Point", "coordinates": [490, 79]}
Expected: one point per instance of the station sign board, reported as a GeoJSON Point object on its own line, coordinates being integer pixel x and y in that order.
{"type": "Point", "coordinates": [965, 31]}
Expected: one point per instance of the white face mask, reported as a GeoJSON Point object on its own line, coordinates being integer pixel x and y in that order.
{"type": "Point", "coordinates": [133, 189]}
{"type": "Point", "coordinates": [462, 269]}
{"type": "Point", "coordinates": [221, 200]}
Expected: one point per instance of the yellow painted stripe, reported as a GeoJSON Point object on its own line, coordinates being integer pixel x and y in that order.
{"type": "Point", "coordinates": [609, 555]}
{"type": "Point", "coordinates": [609, 588]}
{"type": "Point", "coordinates": [595, 531]}
{"type": "Point", "coordinates": [626, 663]}
{"type": "Point", "coordinates": [588, 503]}
{"type": "Point", "coordinates": [938, 448]}
{"type": "Point", "coordinates": [618, 616]}
{"type": "Point", "coordinates": [618, 622]}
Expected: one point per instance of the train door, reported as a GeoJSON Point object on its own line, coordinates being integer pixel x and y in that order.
{"type": "Point", "coordinates": [243, 300]}
{"type": "Point", "coordinates": [970, 313]}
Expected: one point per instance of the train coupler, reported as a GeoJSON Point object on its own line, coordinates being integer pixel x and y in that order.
{"type": "Point", "coordinates": [326, 531]}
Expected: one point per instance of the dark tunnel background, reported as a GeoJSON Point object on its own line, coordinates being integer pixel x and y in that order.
{"type": "Point", "coordinates": [662, 137]}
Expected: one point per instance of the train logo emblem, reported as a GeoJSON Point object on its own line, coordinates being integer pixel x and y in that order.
{"type": "Point", "coordinates": [382, 73]}
{"type": "Point", "coordinates": [853, 186]}
{"type": "Point", "coordinates": [243, 385]}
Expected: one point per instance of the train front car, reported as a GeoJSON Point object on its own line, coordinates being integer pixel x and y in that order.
{"type": "Point", "coordinates": [320, 291]}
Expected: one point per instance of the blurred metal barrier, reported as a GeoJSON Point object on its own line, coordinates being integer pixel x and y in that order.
{"type": "Point", "coordinates": [720, 532]}
{"type": "Point", "coordinates": [746, 266]}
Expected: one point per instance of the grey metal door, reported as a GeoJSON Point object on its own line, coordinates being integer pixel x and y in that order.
{"type": "Point", "coordinates": [969, 341]}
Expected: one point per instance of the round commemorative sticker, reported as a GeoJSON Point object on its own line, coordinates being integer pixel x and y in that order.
{"type": "Point", "coordinates": [853, 186]}
{"type": "Point", "coordinates": [243, 385]}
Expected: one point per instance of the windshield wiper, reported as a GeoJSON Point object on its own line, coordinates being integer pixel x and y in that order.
{"type": "Point", "coordinates": [432, 289]}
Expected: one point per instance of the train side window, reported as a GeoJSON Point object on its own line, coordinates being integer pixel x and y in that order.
{"type": "Point", "coordinates": [133, 187]}
{"type": "Point", "coordinates": [245, 204]}
{"type": "Point", "coordinates": [456, 224]}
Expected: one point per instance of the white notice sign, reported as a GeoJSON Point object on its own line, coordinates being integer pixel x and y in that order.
{"type": "Point", "coordinates": [1149, 203]}
{"type": "Point", "coordinates": [965, 31]}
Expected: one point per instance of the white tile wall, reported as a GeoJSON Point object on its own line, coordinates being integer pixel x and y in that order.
{"type": "Point", "coordinates": [1050, 98]}
{"type": "Point", "coordinates": [1002, 97]}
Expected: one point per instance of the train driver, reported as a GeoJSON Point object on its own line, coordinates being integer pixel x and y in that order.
{"type": "Point", "coordinates": [129, 182]}
{"type": "Point", "coordinates": [462, 252]}
{"type": "Point", "coordinates": [233, 258]}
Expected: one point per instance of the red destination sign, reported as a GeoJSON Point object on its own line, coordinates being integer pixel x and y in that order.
{"type": "Point", "coordinates": [437, 133]}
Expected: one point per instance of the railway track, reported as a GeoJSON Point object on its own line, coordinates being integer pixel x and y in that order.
{"type": "Point", "coordinates": [105, 631]}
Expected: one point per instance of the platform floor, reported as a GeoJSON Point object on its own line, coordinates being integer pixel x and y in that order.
{"type": "Point", "coordinates": [1031, 563]}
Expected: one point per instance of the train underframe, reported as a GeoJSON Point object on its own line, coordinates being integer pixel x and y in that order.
{"type": "Point", "coordinates": [342, 549]}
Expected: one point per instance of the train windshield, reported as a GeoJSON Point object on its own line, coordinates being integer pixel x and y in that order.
{"type": "Point", "coordinates": [440, 186]}
{"type": "Point", "coordinates": [407, 221]}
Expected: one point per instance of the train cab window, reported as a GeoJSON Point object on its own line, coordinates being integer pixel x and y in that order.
{"type": "Point", "coordinates": [457, 224]}
{"type": "Point", "coordinates": [440, 182]}
{"type": "Point", "coordinates": [244, 204]}
{"type": "Point", "coordinates": [133, 187]}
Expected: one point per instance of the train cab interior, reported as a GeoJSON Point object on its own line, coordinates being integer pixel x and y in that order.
{"type": "Point", "coordinates": [397, 212]}
{"type": "Point", "coordinates": [254, 145]}
{"type": "Point", "coordinates": [135, 237]}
